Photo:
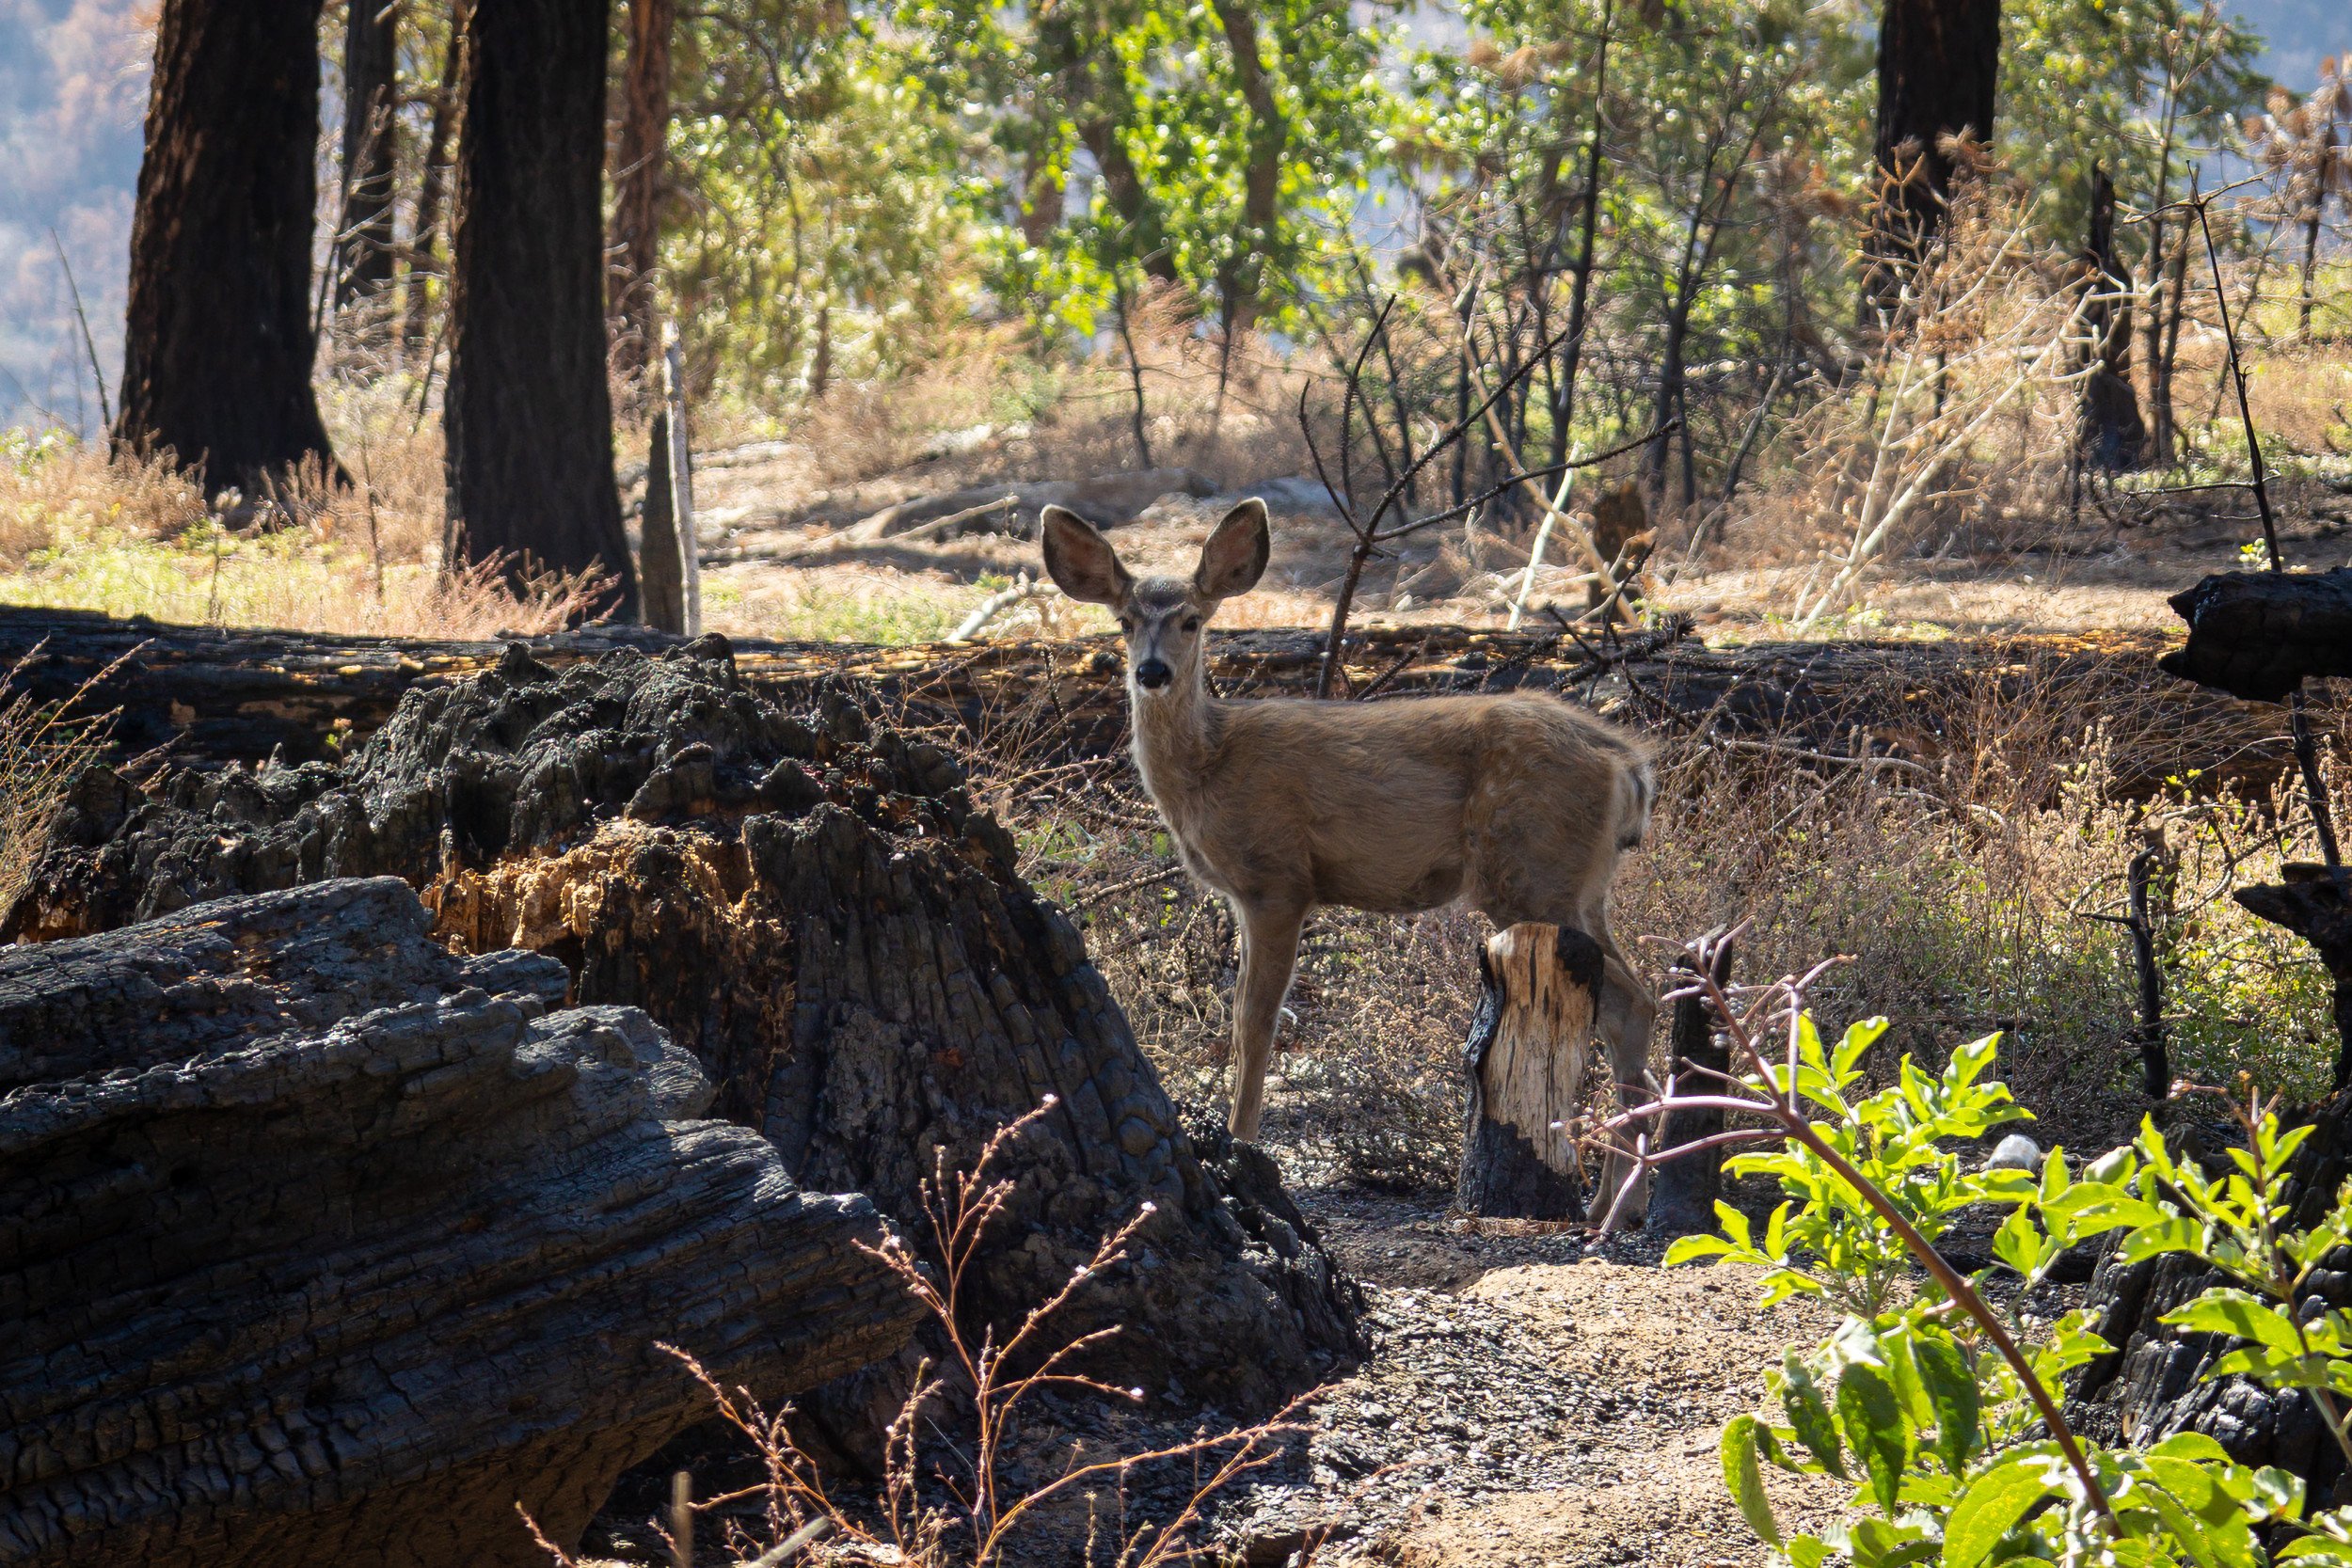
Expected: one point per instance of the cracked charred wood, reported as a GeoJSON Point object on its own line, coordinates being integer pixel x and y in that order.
{"type": "Point", "coordinates": [1526, 1056]}
{"type": "Point", "coordinates": [2260, 635]}
{"type": "Point", "coordinates": [815, 908]}
{"type": "Point", "coordinates": [2154, 1384]}
{"type": "Point", "coordinates": [320, 1244]}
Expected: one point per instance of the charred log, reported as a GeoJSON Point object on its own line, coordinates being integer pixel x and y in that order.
{"type": "Point", "coordinates": [320, 1244]}
{"type": "Point", "coordinates": [2260, 635]}
{"type": "Point", "coordinates": [814, 907]}
{"type": "Point", "coordinates": [214, 696]}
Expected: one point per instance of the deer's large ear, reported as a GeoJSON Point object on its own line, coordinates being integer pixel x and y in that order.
{"type": "Point", "coordinates": [1235, 556]}
{"type": "Point", "coordinates": [1081, 561]}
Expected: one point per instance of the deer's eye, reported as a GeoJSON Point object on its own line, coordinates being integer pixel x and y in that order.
{"type": "Point", "coordinates": [1128, 623]}
{"type": "Point", "coordinates": [1192, 623]}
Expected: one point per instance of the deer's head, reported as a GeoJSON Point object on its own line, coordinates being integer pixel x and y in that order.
{"type": "Point", "coordinates": [1161, 617]}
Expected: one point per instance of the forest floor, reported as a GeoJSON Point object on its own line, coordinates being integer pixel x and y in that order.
{"type": "Point", "coordinates": [784, 557]}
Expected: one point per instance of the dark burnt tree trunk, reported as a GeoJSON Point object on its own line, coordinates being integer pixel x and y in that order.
{"type": "Point", "coordinates": [1684, 1192]}
{"type": "Point", "coordinates": [2113, 434]}
{"type": "Point", "coordinates": [529, 414]}
{"type": "Point", "coordinates": [637, 179]}
{"type": "Point", "coordinates": [363, 248]}
{"type": "Point", "coordinates": [216, 339]}
{"type": "Point", "coordinates": [1938, 62]}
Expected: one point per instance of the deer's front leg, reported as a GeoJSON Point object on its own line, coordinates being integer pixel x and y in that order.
{"type": "Point", "coordinates": [1269, 951]}
{"type": "Point", "coordinates": [1628, 1013]}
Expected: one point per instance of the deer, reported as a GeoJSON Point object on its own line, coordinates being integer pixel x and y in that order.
{"type": "Point", "coordinates": [1517, 804]}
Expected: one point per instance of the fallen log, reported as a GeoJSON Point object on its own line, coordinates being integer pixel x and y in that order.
{"type": "Point", "coordinates": [814, 907]}
{"type": "Point", "coordinates": [198, 696]}
{"type": "Point", "coordinates": [2260, 635]}
{"type": "Point", "coordinates": [319, 1243]}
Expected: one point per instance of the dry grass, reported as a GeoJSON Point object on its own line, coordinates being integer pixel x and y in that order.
{"type": "Point", "coordinates": [43, 746]}
{"type": "Point", "coordinates": [82, 529]}
{"type": "Point", "coordinates": [1963, 896]}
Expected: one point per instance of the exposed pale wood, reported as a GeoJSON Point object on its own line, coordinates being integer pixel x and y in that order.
{"type": "Point", "coordinates": [1526, 1056]}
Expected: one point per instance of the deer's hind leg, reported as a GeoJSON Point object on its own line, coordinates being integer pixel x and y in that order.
{"type": "Point", "coordinates": [1270, 952]}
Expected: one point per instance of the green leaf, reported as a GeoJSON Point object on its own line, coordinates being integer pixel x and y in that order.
{"type": "Point", "coordinates": [2018, 1243]}
{"type": "Point", "coordinates": [2241, 1316]}
{"type": "Point", "coordinates": [1685, 1249]}
{"type": "Point", "coordinates": [1990, 1508]}
{"type": "Point", "coordinates": [1808, 1415]}
{"type": "Point", "coordinates": [1952, 1391]}
{"type": "Point", "coordinates": [2171, 1234]}
{"type": "Point", "coordinates": [1744, 1477]}
{"type": "Point", "coordinates": [1873, 1419]}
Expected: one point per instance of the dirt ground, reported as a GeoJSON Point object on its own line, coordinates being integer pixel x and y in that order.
{"type": "Point", "coordinates": [774, 534]}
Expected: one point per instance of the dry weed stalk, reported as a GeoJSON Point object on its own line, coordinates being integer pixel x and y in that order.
{"type": "Point", "coordinates": [964, 1518]}
{"type": "Point", "coordinates": [41, 749]}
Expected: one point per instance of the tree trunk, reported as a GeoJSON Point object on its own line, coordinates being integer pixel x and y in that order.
{"type": "Point", "coordinates": [637, 181]}
{"type": "Point", "coordinates": [216, 339]}
{"type": "Point", "coordinates": [1938, 63]}
{"type": "Point", "coordinates": [1243, 281]}
{"type": "Point", "coordinates": [1529, 1041]}
{"type": "Point", "coordinates": [661, 575]}
{"type": "Point", "coordinates": [433, 186]}
{"type": "Point", "coordinates": [528, 411]}
{"type": "Point", "coordinates": [2323, 180]}
{"type": "Point", "coordinates": [320, 1245]}
{"type": "Point", "coordinates": [363, 249]}
{"type": "Point", "coordinates": [1684, 1192]}
{"type": "Point", "coordinates": [2113, 436]}
{"type": "Point", "coordinates": [817, 909]}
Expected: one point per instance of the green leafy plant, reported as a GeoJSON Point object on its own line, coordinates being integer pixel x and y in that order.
{"type": "Point", "coordinates": [1942, 1409]}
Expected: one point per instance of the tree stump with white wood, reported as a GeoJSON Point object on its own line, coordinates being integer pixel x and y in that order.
{"type": "Point", "coordinates": [1529, 1044]}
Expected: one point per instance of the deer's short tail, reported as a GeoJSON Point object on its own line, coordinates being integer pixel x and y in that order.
{"type": "Point", "coordinates": [1637, 786]}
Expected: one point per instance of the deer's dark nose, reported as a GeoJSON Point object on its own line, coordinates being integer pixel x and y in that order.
{"type": "Point", "coordinates": [1153, 673]}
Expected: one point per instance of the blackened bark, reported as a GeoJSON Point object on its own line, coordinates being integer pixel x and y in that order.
{"type": "Point", "coordinates": [529, 412]}
{"type": "Point", "coordinates": [1938, 63]}
{"type": "Point", "coordinates": [1524, 1058]}
{"type": "Point", "coordinates": [660, 572]}
{"type": "Point", "coordinates": [216, 341]}
{"type": "Point", "coordinates": [1683, 1193]}
{"type": "Point", "coordinates": [641, 164]}
{"type": "Point", "coordinates": [2113, 435]}
{"type": "Point", "coordinates": [364, 244]}
{"type": "Point", "coordinates": [2260, 635]}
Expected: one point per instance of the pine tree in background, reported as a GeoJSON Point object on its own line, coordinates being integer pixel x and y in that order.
{"type": "Point", "coordinates": [218, 341]}
{"type": "Point", "coordinates": [528, 416]}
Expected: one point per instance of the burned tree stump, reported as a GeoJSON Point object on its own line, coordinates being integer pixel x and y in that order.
{"type": "Point", "coordinates": [2154, 1384]}
{"type": "Point", "coordinates": [319, 1243]}
{"type": "Point", "coordinates": [814, 907]}
{"type": "Point", "coordinates": [1683, 1193]}
{"type": "Point", "coordinates": [1529, 1043]}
